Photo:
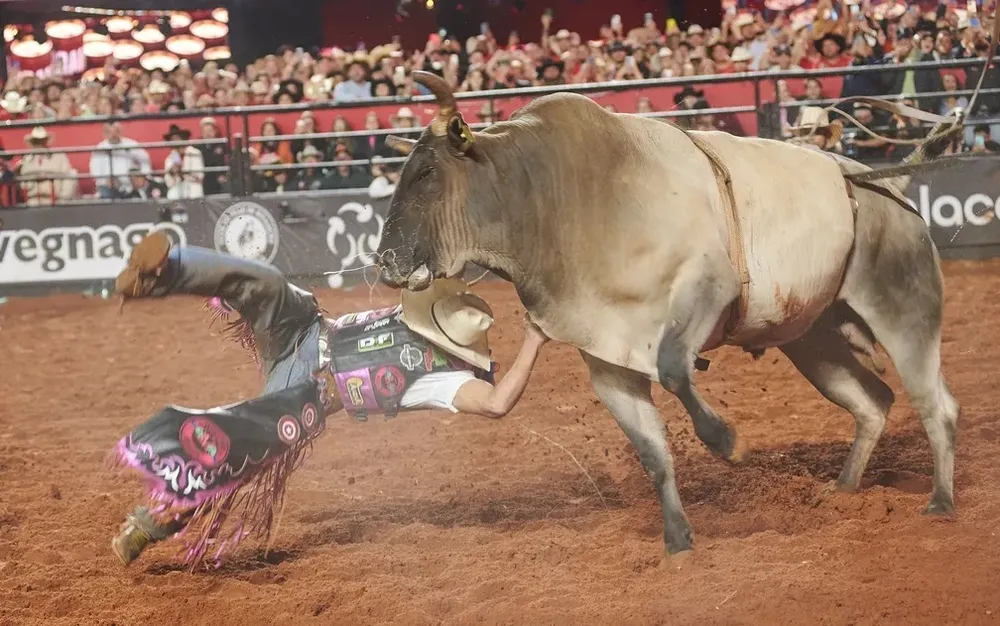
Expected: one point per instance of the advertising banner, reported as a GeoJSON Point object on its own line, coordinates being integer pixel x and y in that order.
{"type": "Point", "coordinates": [330, 240]}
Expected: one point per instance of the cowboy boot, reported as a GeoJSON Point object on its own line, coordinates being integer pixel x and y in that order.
{"type": "Point", "coordinates": [139, 531]}
{"type": "Point", "coordinates": [275, 310]}
{"type": "Point", "coordinates": [145, 264]}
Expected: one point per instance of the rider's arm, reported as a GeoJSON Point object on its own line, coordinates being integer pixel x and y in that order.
{"type": "Point", "coordinates": [481, 398]}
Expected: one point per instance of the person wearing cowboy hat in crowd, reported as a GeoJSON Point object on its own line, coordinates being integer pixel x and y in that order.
{"type": "Point", "coordinates": [345, 176]}
{"type": "Point", "coordinates": [45, 178]}
{"type": "Point", "coordinates": [159, 96]}
{"type": "Point", "coordinates": [403, 119]}
{"type": "Point", "coordinates": [15, 106]}
{"type": "Point", "coordinates": [429, 352]}
{"type": "Point", "coordinates": [687, 98]}
{"type": "Point", "coordinates": [831, 47]}
{"type": "Point", "coordinates": [110, 168]}
{"type": "Point", "coordinates": [213, 155]}
{"type": "Point", "coordinates": [184, 167]}
{"type": "Point", "coordinates": [143, 187]}
{"type": "Point", "coordinates": [815, 130]}
{"type": "Point", "coordinates": [739, 61]}
{"type": "Point", "coordinates": [386, 178]}
{"type": "Point", "coordinates": [273, 180]}
{"type": "Point", "coordinates": [309, 177]}
{"type": "Point", "coordinates": [357, 86]}
{"type": "Point", "coordinates": [550, 72]}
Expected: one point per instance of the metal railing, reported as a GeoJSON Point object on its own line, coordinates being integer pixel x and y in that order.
{"type": "Point", "coordinates": [238, 137]}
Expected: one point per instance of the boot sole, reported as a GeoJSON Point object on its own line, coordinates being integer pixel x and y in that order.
{"type": "Point", "coordinates": [146, 258]}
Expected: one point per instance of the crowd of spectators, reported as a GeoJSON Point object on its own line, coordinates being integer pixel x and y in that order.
{"type": "Point", "coordinates": [839, 33]}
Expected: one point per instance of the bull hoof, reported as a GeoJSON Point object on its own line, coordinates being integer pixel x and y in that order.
{"type": "Point", "coordinates": [939, 508]}
{"type": "Point", "coordinates": [831, 488]}
{"type": "Point", "coordinates": [726, 444]}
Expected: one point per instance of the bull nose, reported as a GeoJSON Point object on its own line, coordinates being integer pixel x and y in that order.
{"type": "Point", "coordinates": [389, 274]}
{"type": "Point", "coordinates": [419, 279]}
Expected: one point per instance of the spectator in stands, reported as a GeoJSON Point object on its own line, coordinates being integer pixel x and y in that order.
{"type": "Point", "coordinates": [306, 125]}
{"type": "Point", "coordinates": [46, 178]}
{"type": "Point", "coordinates": [357, 86]}
{"type": "Point", "coordinates": [183, 168]}
{"type": "Point", "coordinates": [781, 59]}
{"type": "Point", "coordinates": [867, 84]}
{"type": "Point", "coordinates": [404, 119]}
{"type": "Point", "coordinates": [110, 167]}
{"type": "Point", "coordinates": [281, 149]}
{"type": "Point", "coordinates": [14, 105]}
{"type": "Point", "coordinates": [274, 180]}
{"type": "Point", "coordinates": [213, 155]}
{"type": "Point", "coordinates": [988, 104]}
{"type": "Point", "coordinates": [951, 84]}
{"type": "Point", "coordinates": [815, 128]}
{"type": "Point", "coordinates": [308, 178]}
{"type": "Point", "coordinates": [857, 143]}
{"type": "Point", "coordinates": [142, 187]}
{"type": "Point", "coordinates": [345, 176]}
{"type": "Point", "coordinates": [982, 141]}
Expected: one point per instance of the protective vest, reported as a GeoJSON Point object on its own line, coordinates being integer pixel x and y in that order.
{"type": "Point", "coordinates": [373, 358]}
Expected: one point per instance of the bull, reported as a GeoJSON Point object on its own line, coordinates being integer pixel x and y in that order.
{"type": "Point", "coordinates": [644, 245]}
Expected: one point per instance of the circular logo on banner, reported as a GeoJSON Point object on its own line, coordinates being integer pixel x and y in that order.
{"type": "Point", "coordinates": [389, 381]}
{"type": "Point", "coordinates": [248, 231]}
{"type": "Point", "coordinates": [288, 430]}
{"type": "Point", "coordinates": [203, 441]}
{"type": "Point", "coordinates": [309, 415]}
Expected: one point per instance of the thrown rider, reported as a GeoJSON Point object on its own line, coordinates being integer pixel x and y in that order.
{"type": "Point", "coordinates": [231, 463]}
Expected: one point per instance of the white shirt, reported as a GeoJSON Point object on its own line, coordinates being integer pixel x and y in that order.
{"type": "Point", "coordinates": [436, 390]}
{"type": "Point", "coordinates": [119, 162]}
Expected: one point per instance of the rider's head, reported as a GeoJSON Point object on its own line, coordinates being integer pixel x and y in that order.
{"type": "Point", "coordinates": [451, 317]}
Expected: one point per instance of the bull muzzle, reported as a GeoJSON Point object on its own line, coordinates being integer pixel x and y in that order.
{"type": "Point", "coordinates": [391, 275]}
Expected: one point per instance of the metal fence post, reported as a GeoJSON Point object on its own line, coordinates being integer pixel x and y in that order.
{"type": "Point", "coordinates": [238, 167]}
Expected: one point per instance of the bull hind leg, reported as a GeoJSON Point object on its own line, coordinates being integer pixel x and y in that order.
{"type": "Point", "coordinates": [904, 312]}
{"type": "Point", "coordinates": [828, 360]}
{"type": "Point", "coordinates": [627, 395]}
{"type": "Point", "coordinates": [701, 295]}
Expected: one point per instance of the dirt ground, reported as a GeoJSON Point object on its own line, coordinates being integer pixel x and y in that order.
{"type": "Point", "coordinates": [442, 519]}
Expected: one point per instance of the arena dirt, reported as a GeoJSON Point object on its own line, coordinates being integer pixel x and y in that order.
{"type": "Point", "coordinates": [451, 519]}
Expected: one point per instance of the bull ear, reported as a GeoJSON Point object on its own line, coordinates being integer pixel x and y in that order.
{"type": "Point", "coordinates": [459, 134]}
{"type": "Point", "coordinates": [401, 145]}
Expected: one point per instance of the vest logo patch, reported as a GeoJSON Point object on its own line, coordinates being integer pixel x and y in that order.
{"type": "Point", "coordinates": [380, 341]}
{"type": "Point", "coordinates": [389, 381]}
{"type": "Point", "coordinates": [354, 386]}
{"type": "Point", "coordinates": [411, 357]}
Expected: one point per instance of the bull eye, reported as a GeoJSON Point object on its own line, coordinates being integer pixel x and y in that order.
{"type": "Point", "coordinates": [425, 174]}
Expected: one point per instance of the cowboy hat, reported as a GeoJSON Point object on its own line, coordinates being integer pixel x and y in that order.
{"type": "Point", "coordinates": [451, 317]}
{"type": "Point", "coordinates": [741, 55]}
{"type": "Point", "coordinates": [688, 91]}
{"type": "Point", "coordinates": [816, 120]}
{"type": "Point", "coordinates": [838, 39]}
{"type": "Point", "coordinates": [209, 121]}
{"type": "Point", "coordinates": [174, 130]}
{"type": "Point", "coordinates": [402, 113]}
{"type": "Point", "coordinates": [309, 151]}
{"type": "Point", "coordinates": [14, 102]}
{"type": "Point", "coordinates": [38, 134]}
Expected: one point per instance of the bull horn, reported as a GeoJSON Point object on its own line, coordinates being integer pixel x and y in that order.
{"type": "Point", "coordinates": [445, 100]}
{"type": "Point", "coordinates": [401, 145]}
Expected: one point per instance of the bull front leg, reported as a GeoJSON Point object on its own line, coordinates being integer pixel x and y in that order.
{"type": "Point", "coordinates": [700, 296]}
{"type": "Point", "coordinates": [627, 395]}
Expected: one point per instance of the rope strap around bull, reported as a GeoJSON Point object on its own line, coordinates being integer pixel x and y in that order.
{"type": "Point", "coordinates": [946, 124]}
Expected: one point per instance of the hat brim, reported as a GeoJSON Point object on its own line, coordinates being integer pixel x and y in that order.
{"type": "Point", "coordinates": [418, 317]}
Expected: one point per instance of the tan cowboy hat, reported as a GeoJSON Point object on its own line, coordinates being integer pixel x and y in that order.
{"type": "Point", "coordinates": [815, 120]}
{"type": "Point", "coordinates": [309, 151]}
{"type": "Point", "coordinates": [14, 102]}
{"type": "Point", "coordinates": [741, 55]}
{"type": "Point", "coordinates": [37, 134]}
{"type": "Point", "coordinates": [451, 317]}
{"type": "Point", "coordinates": [402, 113]}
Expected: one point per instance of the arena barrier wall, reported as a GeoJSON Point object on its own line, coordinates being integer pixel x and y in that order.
{"type": "Point", "coordinates": [325, 239]}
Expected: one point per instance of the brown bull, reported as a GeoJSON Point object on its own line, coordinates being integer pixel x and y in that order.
{"type": "Point", "coordinates": [623, 238]}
